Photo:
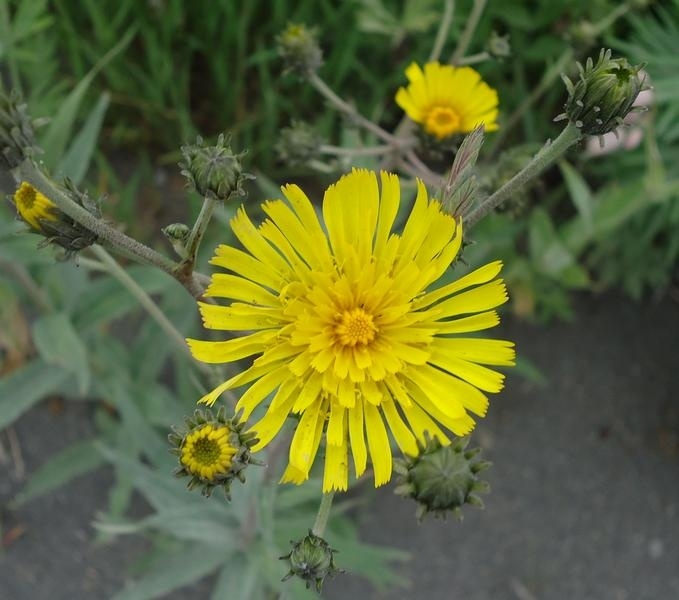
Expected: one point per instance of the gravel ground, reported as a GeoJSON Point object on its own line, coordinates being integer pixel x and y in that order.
{"type": "Point", "coordinates": [585, 484]}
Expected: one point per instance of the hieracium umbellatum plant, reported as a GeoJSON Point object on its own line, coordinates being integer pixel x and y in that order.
{"type": "Point", "coordinates": [343, 342]}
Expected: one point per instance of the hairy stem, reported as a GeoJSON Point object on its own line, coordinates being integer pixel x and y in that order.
{"type": "Point", "coordinates": [197, 233]}
{"type": "Point", "coordinates": [323, 514]}
{"type": "Point", "coordinates": [546, 156]}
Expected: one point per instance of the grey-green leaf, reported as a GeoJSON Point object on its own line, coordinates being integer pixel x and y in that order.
{"type": "Point", "coordinates": [59, 344]}
{"type": "Point", "coordinates": [27, 386]}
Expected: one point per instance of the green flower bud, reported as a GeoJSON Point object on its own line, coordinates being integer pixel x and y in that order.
{"type": "Point", "coordinates": [178, 235]}
{"type": "Point", "coordinates": [442, 478]}
{"type": "Point", "coordinates": [212, 451]}
{"type": "Point", "coordinates": [17, 140]}
{"type": "Point", "coordinates": [604, 93]}
{"type": "Point", "coordinates": [214, 171]}
{"type": "Point", "coordinates": [298, 144]}
{"type": "Point", "coordinates": [299, 49]}
{"type": "Point", "coordinates": [498, 46]}
{"type": "Point", "coordinates": [312, 560]}
{"type": "Point", "coordinates": [45, 218]}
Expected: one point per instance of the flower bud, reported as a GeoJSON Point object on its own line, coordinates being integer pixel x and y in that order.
{"type": "Point", "coordinates": [212, 450]}
{"type": "Point", "coordinates": [311, 559]}
{"type": "Point", "coordinates": [45, 218]}
{"type": "Point", "coordinates": [299, 49]}
{"type": "Point", "coordinates": [498, 46]}
{"type": "Point", "coordinates": [604, 93]}
{"type": "Point", "coordinates": [178, 235]}
{"type": "Point", "coordinates": [442, 478]}
{"type": "Point", "coordinates": [214, 171]}
{"type": "Point", "coordinates": [17, 140]}
{"type": "Point", "coordinates": [298, 144]}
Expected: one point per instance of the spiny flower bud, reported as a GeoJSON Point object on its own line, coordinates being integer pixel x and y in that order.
{"type": "Point", "coordinates": [17, 140]}
{"type": "Point", "coordinates": [299, 49]}
{"type": "Point", "coordinates": [312, 560]}
{"type": "Point", "coordinates": [212, 450]}
{"type": "Point", "coordinates": [604, 93]}
{"type": "Point", "coordinates": [298, 144]}
{"type": "Point", "coordinates": [214, 171]}
{"type": "Point", "coordinates": [45, 218]}
{"type": "Point", "coordinates": [442, 478]}
{"type": "Point", "coordinates": [178, 235]}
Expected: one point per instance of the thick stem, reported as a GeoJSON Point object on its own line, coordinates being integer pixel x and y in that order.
{"type": "Point", "coordinates": [323, 514]}
{"type": "Point", "coordinates": [469, 29]}
{"type": "Point", "coordinates": [28, 172]}
{"type": "Point", "coordinates": [546, 156]}
{"type": "Point", "coordinates": [198, 231]}
{"type": "Point", "coordinates": [116, 240]}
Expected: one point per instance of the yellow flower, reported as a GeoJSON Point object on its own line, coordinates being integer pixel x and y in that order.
{"type": "Point", "coordinates": [206, 452]}
{"type": "Point", "coordinates": [34, 206]}
{"type": "Point", "coordinates": [344, 332]}
{"type": "Point", "coordinates": [446, 100]}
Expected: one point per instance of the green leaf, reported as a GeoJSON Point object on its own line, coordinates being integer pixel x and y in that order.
{"type": "Point", "coordinates": [59, 344]}
{"type": "Point", "coordinates": [579, 192]}
{"type": "Point", "coordinates": [26, 386]}
{"type": "Point", "coordinates": [550, 256]}
{"type": "Point", "coordinates": [56, 138]}
{"type": "Point", "coordinates": [72, 462]}
{"type": "Point", "coordinates": [77, 159]}
{"type": "Point", "coordinates": [173, 571]}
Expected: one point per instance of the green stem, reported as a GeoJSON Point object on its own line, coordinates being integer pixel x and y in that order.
{"type": "Point", "coordinates": [198, 231]}
{"type": "Point", "coordinates": [28, 172]}
{"type": "Point", "coordinates": [547, 155]}
{"type": "Point", "coordinates": [323, 514]}
{"type": "Point", "coordinates": [472, 59]}
{"type": "Point", "coordinates": [469, 29]}
{"type": "Point", "coordinates": [116, 240]}
{"type": "Point", "coordinates": [325, 91]}
{"type": "Point", "coordinates": [444, 28]}
{"type": "Point", "coordinates": [146, 302]}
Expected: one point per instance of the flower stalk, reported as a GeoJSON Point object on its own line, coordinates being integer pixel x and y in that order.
{"type": "Point", "coordinates": [545, 157]}
{"type": "Point", "coordinates": [323, 514]}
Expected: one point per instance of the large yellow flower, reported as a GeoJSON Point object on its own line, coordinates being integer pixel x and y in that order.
{"type": "Point", "coordinates": [346, 335]}
{"type": "Point", "coordinates": [446, 100]}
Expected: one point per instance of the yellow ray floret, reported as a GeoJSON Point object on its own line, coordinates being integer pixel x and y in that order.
{"type": "Point", "coordinates": [347, 330]}
{"type": "Point", "coordinates": [446, 100]}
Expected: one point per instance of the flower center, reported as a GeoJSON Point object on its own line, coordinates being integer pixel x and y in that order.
{"type": "Point", "coordinates": [207, 451]}
{"type": "Point", "coordinates": [442, 121]}
{"type": "Point", "coordinates": [355, 327]}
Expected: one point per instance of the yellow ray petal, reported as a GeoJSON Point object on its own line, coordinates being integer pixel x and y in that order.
{"type": "Point", "coordinates": [486, 352]}
{"type": "Point", "coordinates": [357, 437]}
{"type": "Point", "coordinates": [230, 350]}
{"type": "Point", "coordinates": [378, 444]}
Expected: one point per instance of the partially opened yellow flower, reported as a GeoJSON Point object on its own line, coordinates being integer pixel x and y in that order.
{"type": "Point", "coordinates": [345, 332]}
{"type": "Point", "coordinates": [446, 100]}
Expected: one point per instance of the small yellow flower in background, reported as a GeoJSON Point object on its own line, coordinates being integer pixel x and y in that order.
{"type": "Point", "coordinates": [33, 206]}
{"type": "Point", "coordinates": [447, 100]}
{"type": "Point", "coordinates": [346, 335]}
{"type": "Point", "coordinates": [206, 452]}
{"type": "Point", "coordinates": [212, 451]}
